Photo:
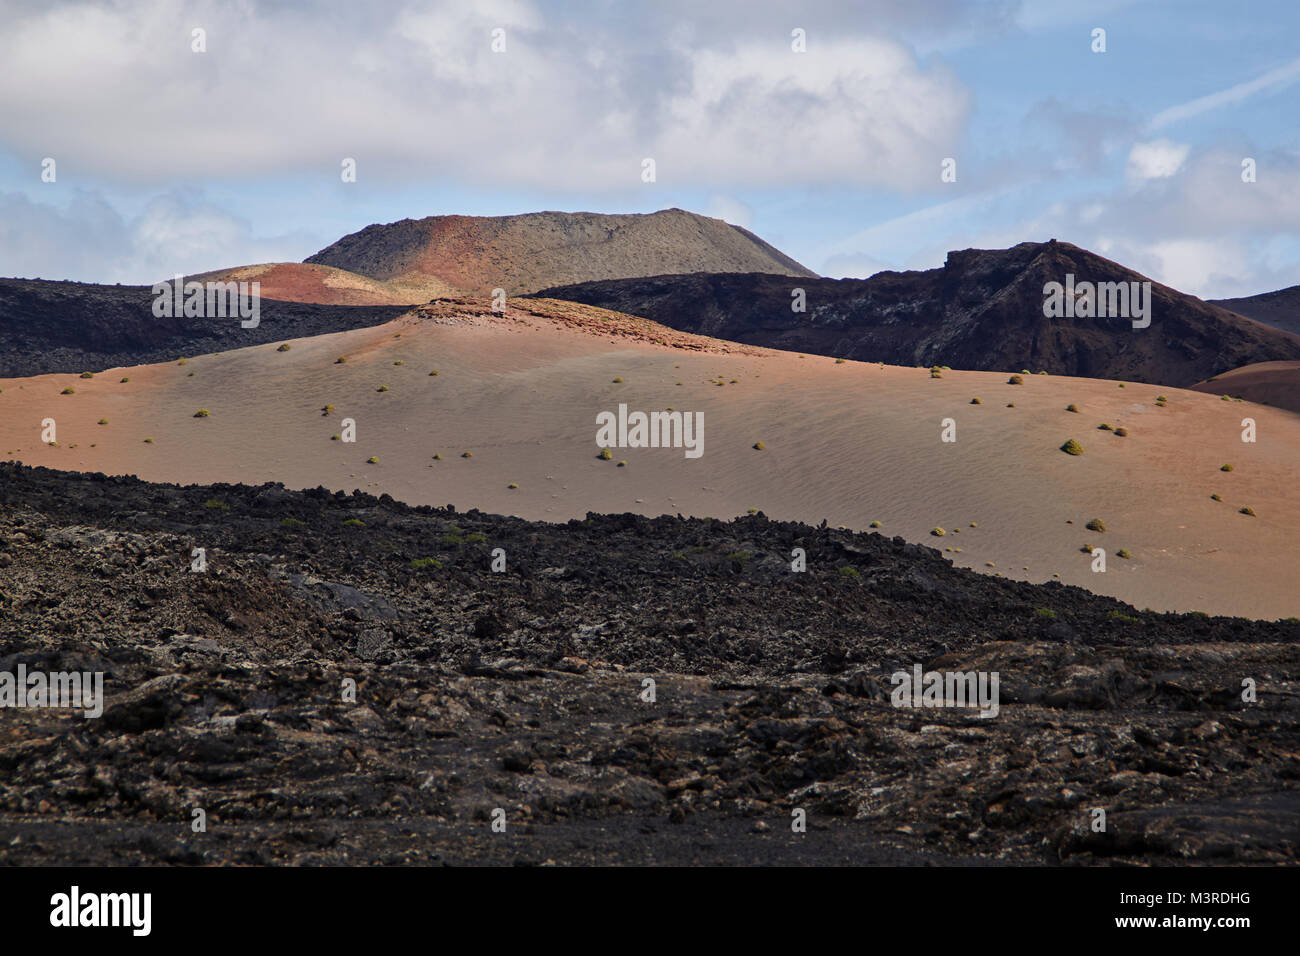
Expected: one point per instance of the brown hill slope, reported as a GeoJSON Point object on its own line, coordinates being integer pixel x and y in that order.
{"type": "Point", "coordinates": [530, 252]}
{"type": "Point", "coordinates": [1268, 383]}
{"type": "Point", "coordinates": [982, 310]}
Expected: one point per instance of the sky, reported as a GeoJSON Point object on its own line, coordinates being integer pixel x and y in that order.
{"type": "Point", "coordinates": [127, 154]}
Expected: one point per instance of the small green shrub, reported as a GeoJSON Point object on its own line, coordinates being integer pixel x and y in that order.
{"type": "Point", "coordinates": [202, 413]}
{"type": "Point", "coordinates": [759, 446]}
{"type": "Point", "coordinates": [1216, 497]}
{"type": "Point", "coordinates": [283, 348]}
{"type": "Point", "coordinates": [103, 421]}
{"type": "Point", "coordinates": [426, 564]}
{"type": "Point", "coordinates": [850, 572]}
{"type": "Point", "coordinates": [1072, 447]}
{"type": "Point", "coordinates": [354, 523]}
{"type": "Point", "coordinates": [327, 410]}
{"type": "Point", "coordinates": [1105, 427]}
{"type": "Point", "coordinates": [467, 454]}
{"type": "Point", "coordinates": [512, 485]}
{"type": "Point", "coordinates": [1247, 510]}
{"type": "Point", "coordinates": [976, 401]}
{"type": "Point", "coordinates": [382, 388]}
{"type": "Point", "coordinates": [372, 460]}
{"type": "Point", "coordinates": [605, 454]}
{"type": "Point", "coordinates": [292, 523]}
{"type": "Point", "coordinates": [87, 374]}
{"type": "Point", "coordinates": [1045, 612]}
{"type": "Point", "coordinates": [1123, 553]}
{"type": "Point", "coordinates": [1121, 432]}
{"type": "Point", "coordinates": [1015, 380]}
{"type": "Point", "coordinates": [938, 532]}
{"type": "Point", "coordinates": [216, 505]}
{"type": "Point", "coordinates": [875, 524]}
{"type": "Point", "coordinates": [125, 380]}
{"type": "Point", "coordinates": [1225, 468]}
{"type": "Point", "coordinates": [69, 391]}
{"type": "Point", "coordinates": [1071, 408]}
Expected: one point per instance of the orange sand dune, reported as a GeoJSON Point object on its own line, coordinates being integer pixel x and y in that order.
{"type": "Point", "coordinates": [847, 442]}
{"type": "Point", "coordinates": [326, 285]}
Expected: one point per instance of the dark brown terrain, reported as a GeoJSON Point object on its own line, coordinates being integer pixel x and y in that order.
{"type": "Point", "coordinates": [1280, 309]}
{"type": "Point", "coordinates": [982, 310]}
{"type": "Point", "coordinates": [521, 690]}
{"type": "Point", "coordinates": [82, 327]}
{"type": "Point", "coordinates": [477, 254]}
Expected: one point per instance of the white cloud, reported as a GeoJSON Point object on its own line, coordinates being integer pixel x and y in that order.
{"type": "Point", "coordinates": [413, 92]}
{"type": "Point", "coordinates": [92, 241]}
{"type": "Point", "coordinates": [1272, 81]}
{"type": "Point", "coordinates": [1157, 159]}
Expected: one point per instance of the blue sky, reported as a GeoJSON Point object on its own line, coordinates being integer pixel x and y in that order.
{"type": "Point", "coordinates": [170, 160]}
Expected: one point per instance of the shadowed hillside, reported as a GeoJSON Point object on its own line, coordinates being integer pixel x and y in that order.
{"type": "Point", "coordinates": [982, 310]}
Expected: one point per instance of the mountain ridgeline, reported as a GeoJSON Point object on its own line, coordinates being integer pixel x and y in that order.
{"type": "Point", "coordinates": [982, 310]}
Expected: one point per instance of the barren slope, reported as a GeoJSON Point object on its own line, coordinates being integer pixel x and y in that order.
{"type": "Point", "coordinates": [1268, 383]}
{"type": "Point", "coordinates": [851, 443]}
{"type": "Point", "coordinates": [325, 285]}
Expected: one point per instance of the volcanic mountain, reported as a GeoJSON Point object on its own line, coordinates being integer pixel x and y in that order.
{"type": "Point", "coordinates": [982, 310]}
{"type": "Point", "coordinates": [529, 252]}
{"type": "Point", "coordinates": [1280, 309]}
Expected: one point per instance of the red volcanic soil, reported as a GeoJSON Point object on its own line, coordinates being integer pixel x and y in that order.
{"type": "Point", "coordinates": [325, 285]}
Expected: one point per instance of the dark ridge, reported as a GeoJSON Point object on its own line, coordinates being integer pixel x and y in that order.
{"type": "Point", "coordinates": [1280, 309]}
{"type": "Point", "coordinates": [982, 310]}
{"type": "Point", "coordinates": [48, 326]}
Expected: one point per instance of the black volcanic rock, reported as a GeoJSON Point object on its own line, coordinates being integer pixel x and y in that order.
{"type": "Point", "coordinates": [325, 698]}
{"type": "Point", "coordinates": [82, 327]}
{"type": "Point", "coordinates": [982, 310]}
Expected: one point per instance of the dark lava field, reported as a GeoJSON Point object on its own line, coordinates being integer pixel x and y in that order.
{"type": "Point", "coordinates": [349, 681]}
